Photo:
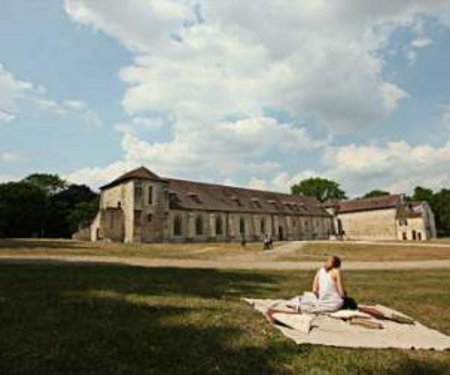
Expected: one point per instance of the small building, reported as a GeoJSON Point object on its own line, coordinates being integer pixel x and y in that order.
{"type": "Point", "coordinates": [388, 217]}
{"type": "Point", "coordinates": [140, 206]}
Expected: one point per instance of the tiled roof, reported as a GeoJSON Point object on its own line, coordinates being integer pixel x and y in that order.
{"type": "Point", "coordinates": [411, 209]}
{"type": "Point", "coordinates": [192, 195]}
{"type": "Point", "coordinates": [211, 197]}
{"type": "Point", "coordinates": [141, 173]}
{"type": "Point", "coordinates": [367, 204]}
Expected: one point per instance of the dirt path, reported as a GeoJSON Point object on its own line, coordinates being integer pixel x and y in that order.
{"type": "Point", "coordinates": [222, 264]}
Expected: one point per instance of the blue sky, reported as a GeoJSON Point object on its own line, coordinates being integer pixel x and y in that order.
{"type": "Point", "coordinates": [358, 91]}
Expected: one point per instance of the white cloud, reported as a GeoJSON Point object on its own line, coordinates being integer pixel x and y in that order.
{"type": "Point", "coordinates": [231, 62]}
{"type": "Point", "coordinates": [421, 42]}
{"type": "Point", "coordinates": [415, 45]}
{"type": "Point", "coordinates": [229, 148]}
{"type": "Point", "coordinates": [11, 91]}
{"type": "Point", "coordinates": [15, 94]}
{"type": "Point", "coordinates": [141, 124]}
{"type": "Point", "coordinates": [10, 157]}
{"type": "Point", "coordinates": [282, 181]}
{"type": "Point", "coordinates": [6, 117]}
{"type": "Point", "coordinates": [395, 166]}
{"type": "Point", "coordinates": [201, 63]}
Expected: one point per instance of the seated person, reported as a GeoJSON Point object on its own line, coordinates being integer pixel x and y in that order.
{"type": "Point", "coordinates": [328, 286]}
{"type": "Point", "coordinates": [328, 290]}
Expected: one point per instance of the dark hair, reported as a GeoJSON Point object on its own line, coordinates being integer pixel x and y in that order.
{"type": "Point", "coordinates": [335, 262]}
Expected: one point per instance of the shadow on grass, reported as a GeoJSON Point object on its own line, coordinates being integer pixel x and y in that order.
{"type": "Point", "coordinates": [80, 319]}
{"type": "Point", "coordinates": [112, 319]}
{"type": "Point", "coordinates": [30, 244]}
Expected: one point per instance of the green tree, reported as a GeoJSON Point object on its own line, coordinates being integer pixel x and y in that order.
{"type": "Point", "coordinates": [82, 214]}
{"type": "Point", "coordinates": [321, 188]}
{"type": "Point", "coordinates": [23, 208]}
{"type": "Point", "coordinates": [376, 193]}
{"type": "Point", "coordinates": [49, 183]}
{"type": "Point", "coordinates": [441, 209]}
{"type": "Point", "coordinates": [423, 194]}
{"type": "Point", "coordinates": [69, 208]}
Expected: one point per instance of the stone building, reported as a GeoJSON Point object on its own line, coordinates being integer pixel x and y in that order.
{"type": "Point", "coordinates": [140, 206]}
{"type": "Point", "coordinates": [382, 218]}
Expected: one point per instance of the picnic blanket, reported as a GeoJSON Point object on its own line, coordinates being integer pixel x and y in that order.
{"type": "Point", "coordinates": [326, 330]}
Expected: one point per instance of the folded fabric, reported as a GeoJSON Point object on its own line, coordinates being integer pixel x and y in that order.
{"type": "Point", "coordinates": [382, 313]}
{"type": "Point", "coordinates": [348, 314]}
{"type": "Point", "coordinates": [299, 322]}
{"type": "Point", "coordinates": [366, 323]}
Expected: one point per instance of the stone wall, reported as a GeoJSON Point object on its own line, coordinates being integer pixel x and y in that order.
{"type": "Point", "coordinates": [370, 225]}
{"type": "Point", "coordinates": [203, 226]}
{"type": "Point", "coordinates": [112, 224]}
{"type": "Point", "coordinates": [121, 196]}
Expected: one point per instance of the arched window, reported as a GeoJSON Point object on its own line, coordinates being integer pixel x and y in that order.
{"type": "Point", "coordinates": [199, 226]}
{"type": "Point", "coordinates": [242, 226]}
{"type": "Point", "coordinates": [177, 226]}
{"type": "Point", "coordinates": [219, 226]}
{"type": "Point", "coordinates": [263, 226]}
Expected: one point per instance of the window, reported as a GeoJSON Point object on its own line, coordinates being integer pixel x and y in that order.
{"type": "Point", "coordinates": [150, 195]}
{"type": "Point", "coordinates": [403, 222]}
{"type": "Point", "coordinates": [138, 192]}
{"type": "Point", "coordinates": [149, 218]}
{"type": "Point", "coordinates": [236, 200]}
{"type": "Point", "coordinates": [137, 217]}
{"type": "Point", "coordinates": [199, 226]}
{"type": "Point", "coordinates": [195, 198]}
{"type": "Point", "coordinates": [242, 226]}
{"type": "Point", "coordinates": [263, 226]}
{"type": "Point", "coordinates": [177, 226]}
{"type": "Point", "coordinates": [219, 226]}
{"type": "Point", "coordinates": [256, 203]}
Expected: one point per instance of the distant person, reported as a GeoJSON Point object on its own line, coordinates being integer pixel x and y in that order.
{"type": "Point", "coordinates": [266, 242]}
{"type": "Point", "coordinates": [270, 242]}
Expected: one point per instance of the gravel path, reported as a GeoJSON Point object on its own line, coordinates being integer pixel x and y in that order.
{"type": "Point", "coordinates": [223, 264]}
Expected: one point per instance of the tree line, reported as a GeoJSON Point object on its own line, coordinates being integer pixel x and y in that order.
{"type": "Point", "coordinates": [324, 190]}
{"type": "Point", "coordinates": [44, 205]}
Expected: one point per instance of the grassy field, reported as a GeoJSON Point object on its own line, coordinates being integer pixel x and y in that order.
{"type": "Point", "coordinates": [91, 319]}
{"type": "Point", "coordinates": [367, 252]}
{"type": "Point", "coordinates": [307, 251]}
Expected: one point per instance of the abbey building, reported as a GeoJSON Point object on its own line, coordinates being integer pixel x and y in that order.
{"type": "Point", "coordinates": [140, 206]}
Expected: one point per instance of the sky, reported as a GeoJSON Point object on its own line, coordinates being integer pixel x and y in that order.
{"type": "Point", "coordinates": [257, 93]}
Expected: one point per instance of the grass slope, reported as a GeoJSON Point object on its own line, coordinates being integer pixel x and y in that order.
{"type": "Point", "coordinates": [88, 319]}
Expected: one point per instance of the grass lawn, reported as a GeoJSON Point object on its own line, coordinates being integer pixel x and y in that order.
{"type": "Point", "coordinates": [87, 319]}
{"type": "Point", "coordinates": [367, 252]}
{"type": "Point", "coordinates": [306, 251]}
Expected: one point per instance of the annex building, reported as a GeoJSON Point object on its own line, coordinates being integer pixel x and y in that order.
{"type": "Point", "coordinates": [140, 206]}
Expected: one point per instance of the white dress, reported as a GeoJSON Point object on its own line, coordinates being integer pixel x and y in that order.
{"type": "Point", "coordinates": [329, 299]}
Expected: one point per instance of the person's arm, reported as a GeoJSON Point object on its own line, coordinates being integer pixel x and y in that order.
{"type": "Point", "coordinates": [340, 283]}
{"type": "Point", "coordinates": [315, 286]}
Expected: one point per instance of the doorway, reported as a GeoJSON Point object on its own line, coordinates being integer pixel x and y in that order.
{"type": "Point", "coordinates": [280, 233]}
